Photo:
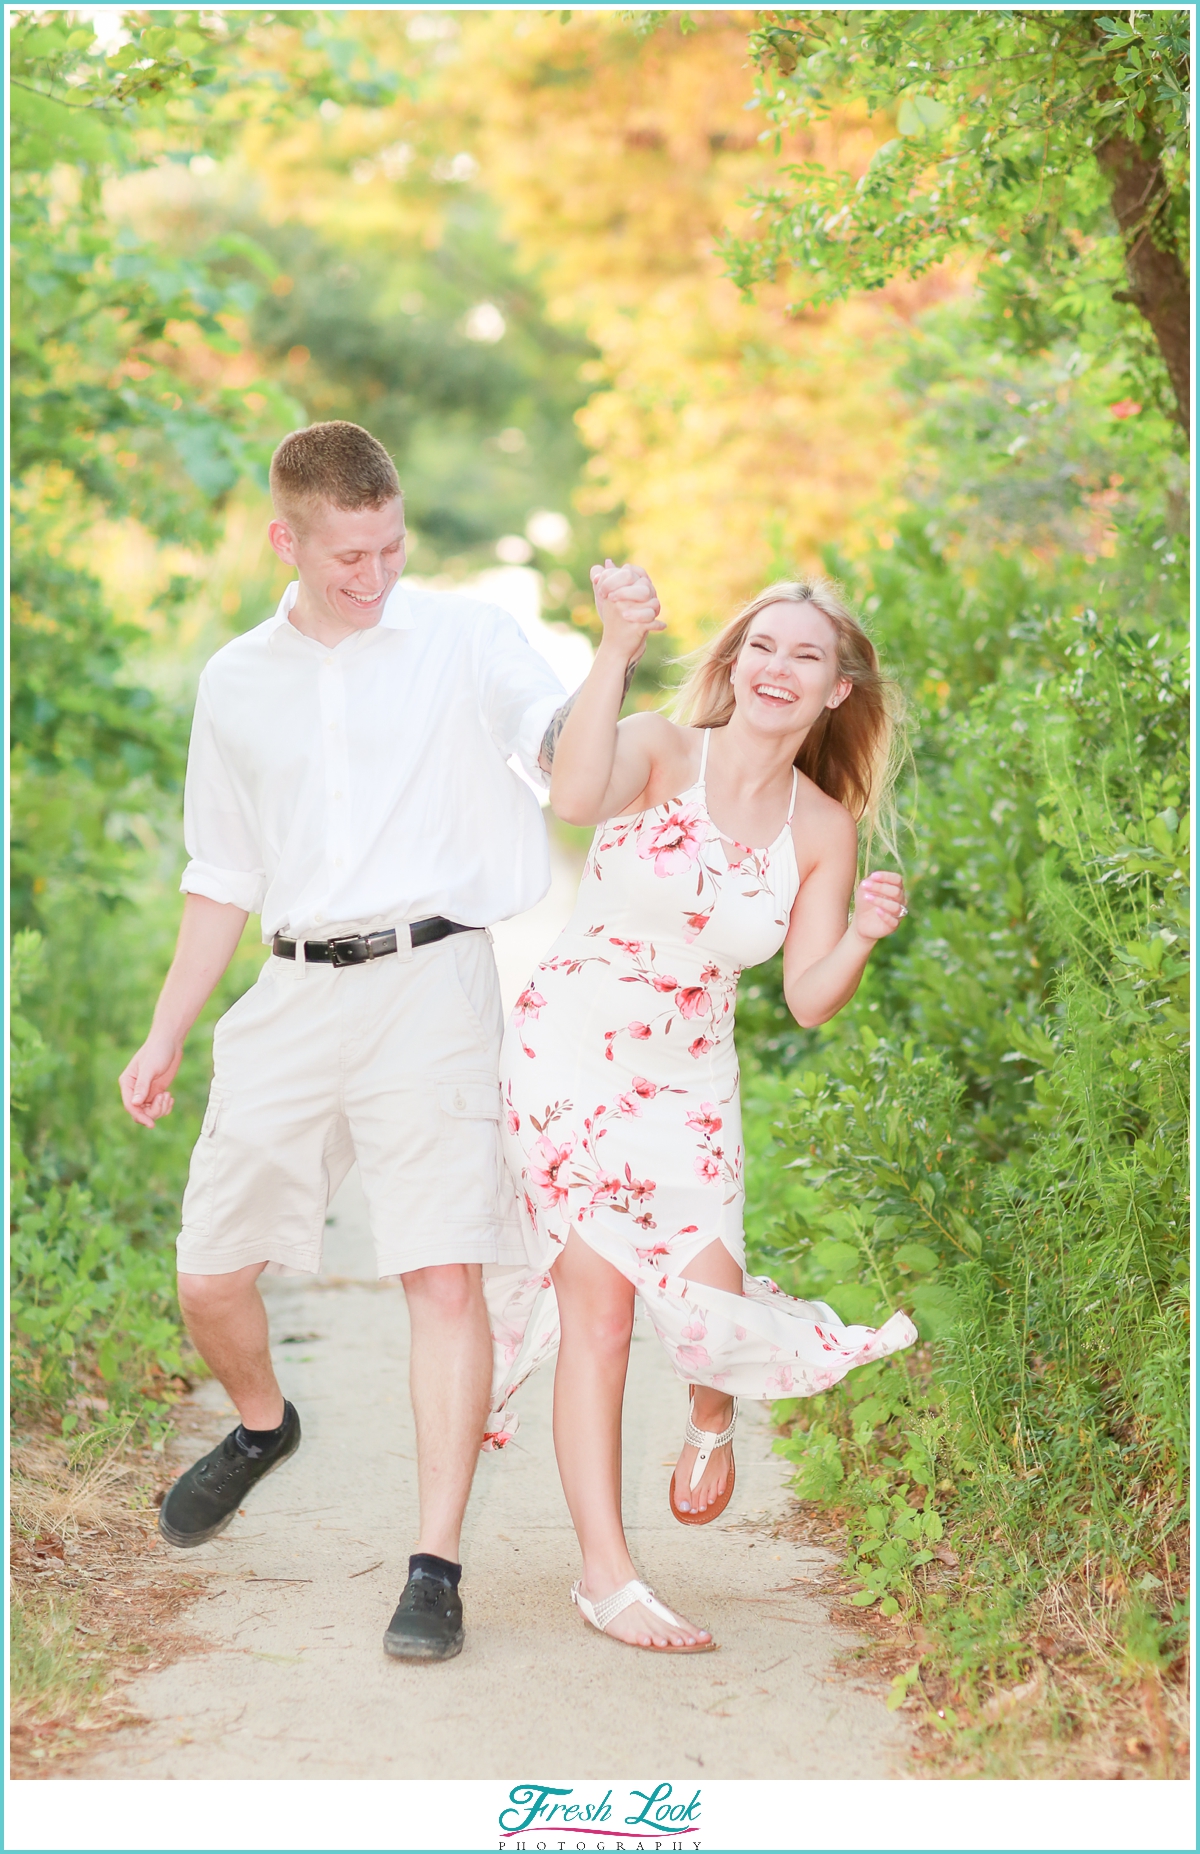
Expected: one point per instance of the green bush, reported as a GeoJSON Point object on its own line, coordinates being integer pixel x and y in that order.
{"type": "Point", "coordinates": [993, 1135]}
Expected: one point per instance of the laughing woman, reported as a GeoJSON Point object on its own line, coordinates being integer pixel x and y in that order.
{"type": "Point", "coordinates": [718, 842]}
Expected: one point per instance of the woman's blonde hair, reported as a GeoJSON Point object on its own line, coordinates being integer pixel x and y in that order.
{"type": "Point", "coordinates": [852, 752]}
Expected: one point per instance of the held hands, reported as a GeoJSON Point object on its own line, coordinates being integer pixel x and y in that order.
{"type": "Point", "coordinates": [628, 608]}
{"type": "Point", "coordinates": [879, 906]}
{"type": "Point", "coordinates": [145, 1082]}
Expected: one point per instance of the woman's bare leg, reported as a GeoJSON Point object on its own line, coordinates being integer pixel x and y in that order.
{"type": "Point", "coordinates": [713, 1410]}
{"type": "Point", "coordinates": [595, 1308]}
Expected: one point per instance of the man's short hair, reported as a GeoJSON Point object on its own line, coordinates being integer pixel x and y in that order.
{"type": "Point", "coordinates": [334, 462]}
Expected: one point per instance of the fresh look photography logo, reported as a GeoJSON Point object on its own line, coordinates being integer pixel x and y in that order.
{"type": "Point", "coordinates": [559, 1816]}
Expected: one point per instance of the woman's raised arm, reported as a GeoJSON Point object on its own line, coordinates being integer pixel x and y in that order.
{"type": "Point", "coordinates": [596, 768]}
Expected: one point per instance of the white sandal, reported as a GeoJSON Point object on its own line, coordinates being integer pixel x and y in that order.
{"type": "Point", "coordinates": [606, 1609]}
{"type": "Point", "coordinates": [706, 1442]}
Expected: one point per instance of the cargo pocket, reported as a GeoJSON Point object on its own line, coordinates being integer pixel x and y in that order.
{"type": "Point", "coordinates": [202, 1174]}
{"type": "Point", "coordinates": [476, 1168]}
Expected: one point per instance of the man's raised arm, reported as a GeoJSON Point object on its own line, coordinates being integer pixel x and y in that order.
{"type": "Point", "coordinates": [208, 937]}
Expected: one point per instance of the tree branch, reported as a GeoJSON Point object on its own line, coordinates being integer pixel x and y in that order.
{"type": "Point", "coordinates": [1159, 285]}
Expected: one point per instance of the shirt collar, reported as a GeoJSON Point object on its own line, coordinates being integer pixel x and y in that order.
{"type": "Point", "coordinates": [397, 613]}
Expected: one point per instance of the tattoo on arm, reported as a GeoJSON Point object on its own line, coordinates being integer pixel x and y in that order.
{"type": "Point", "coordinates": [558, 721]}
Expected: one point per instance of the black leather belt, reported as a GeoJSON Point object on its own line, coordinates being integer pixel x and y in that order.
{"type": "Point", "coordinates": [354, 949]}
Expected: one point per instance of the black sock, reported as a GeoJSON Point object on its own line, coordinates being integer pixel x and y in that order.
{"type": "Point", "coordinates": [256, 1442]}
{"type": "Point", "coordinates": [430, 1566]}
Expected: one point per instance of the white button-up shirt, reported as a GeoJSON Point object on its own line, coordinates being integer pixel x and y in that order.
{"type": "Point", "coordinates": [367, 785]}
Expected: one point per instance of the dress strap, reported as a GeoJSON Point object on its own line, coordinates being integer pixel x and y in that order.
{"type": "Point", "coordinates": [704, 755]}
{"type": "Point", "coordinates": [795, 787]}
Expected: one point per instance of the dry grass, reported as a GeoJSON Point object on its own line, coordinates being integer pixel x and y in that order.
{"type": "Point", "coordinates": [1082, 1711]}
{"type": "Point", "coordinates": [96, 1597]}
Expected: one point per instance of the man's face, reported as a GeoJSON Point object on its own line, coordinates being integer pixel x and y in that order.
{"type": "Point", "coordinates": [347, 560]}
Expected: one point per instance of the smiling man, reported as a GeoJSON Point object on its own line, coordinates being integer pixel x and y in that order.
{"type": "Point", "coordinates": [347, 781]}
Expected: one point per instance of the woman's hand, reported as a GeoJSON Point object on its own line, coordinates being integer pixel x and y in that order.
{"type": "Point", "coordinates": [879, 906]}
{"type": "Point", "coordinates": [628, 608]}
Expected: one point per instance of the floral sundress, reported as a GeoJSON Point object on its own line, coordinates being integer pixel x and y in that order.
{"type": "Point", "coordinates": [619, 1082]}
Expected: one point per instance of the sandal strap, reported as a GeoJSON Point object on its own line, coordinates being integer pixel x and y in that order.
{"type": "Point", "coordinates": [706, 1442]}
{"type": "Point", "coordinates": [605, 1609]}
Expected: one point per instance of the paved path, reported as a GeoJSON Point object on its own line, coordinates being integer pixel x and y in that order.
{"type": "Point", "coordinates": [302, 1587]}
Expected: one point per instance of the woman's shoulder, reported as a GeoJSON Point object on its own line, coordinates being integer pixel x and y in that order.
{"type": "Point", "coordinates": [671, 748]}
{"type": "Point", "coordinates": [671, 756]}
{"type": "Point", "coordinates": [821, 824]}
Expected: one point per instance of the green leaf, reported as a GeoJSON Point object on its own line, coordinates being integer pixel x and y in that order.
{"type": "Point", "coordinates": [920, 115]}
{"type": "Point", "coordinates": [838, 1258]}
{"type": "Point", "coordinates": [917, 1257]}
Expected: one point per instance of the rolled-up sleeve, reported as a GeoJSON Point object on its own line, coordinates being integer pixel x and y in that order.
{"type": "Point", "coordinates": [519, 692]}
{"type": "Point", "coordinates": [225, 859]}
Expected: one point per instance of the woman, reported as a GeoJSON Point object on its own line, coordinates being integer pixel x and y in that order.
{"type": "Point", "coordinates": [619, 1071]}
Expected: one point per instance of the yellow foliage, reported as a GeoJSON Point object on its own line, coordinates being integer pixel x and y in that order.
{"type": "Point", "coordinates": [731, 442]}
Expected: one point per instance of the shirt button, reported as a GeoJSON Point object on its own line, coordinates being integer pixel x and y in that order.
{"type": "Point", "coordinates": [458, 1100]}
{"type": "Point", "coordinates": [337, 795]}
{"type": "Point", "coordinates": [337, 862]}
{"type": "Point", "coordinates": [319, 919]}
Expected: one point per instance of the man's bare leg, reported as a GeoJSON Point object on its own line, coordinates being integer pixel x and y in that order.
{"type": "Point", "coordinates": [227, 1324]}
{"type": "Point", "coordinates": [450, 1377]}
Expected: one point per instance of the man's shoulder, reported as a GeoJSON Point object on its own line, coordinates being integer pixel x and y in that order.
{"type": "Point", "coordinates": [240, 651]}
{"type": "Point", "coordinates": [444, 608]}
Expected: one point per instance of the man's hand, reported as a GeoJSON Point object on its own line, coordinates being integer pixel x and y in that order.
{"type": "Point", "coordinates": [146, 1080]}
{"type": "Point", "coordinates": [628, 608]}
{"type": "Point", "coordinates": [208, 935]}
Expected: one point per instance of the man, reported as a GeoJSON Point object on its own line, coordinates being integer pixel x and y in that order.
{"type": "Point", "coordinates": [347, 781]}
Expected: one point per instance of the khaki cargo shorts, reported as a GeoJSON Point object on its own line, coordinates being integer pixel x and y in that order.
{"type": "Point", "coordinates": [392, 1064]}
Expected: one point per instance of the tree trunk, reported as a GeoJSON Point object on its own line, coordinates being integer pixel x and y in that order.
{"type": "Point", "coordinates": [1158, 283]}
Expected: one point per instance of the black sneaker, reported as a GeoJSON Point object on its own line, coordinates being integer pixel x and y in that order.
{"type": "Point", "coordinates": [428, 1623]}
{"type": "Point", "coordinates": [205, 1499]}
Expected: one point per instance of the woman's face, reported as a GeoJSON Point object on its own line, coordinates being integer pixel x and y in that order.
{"type": "Point", "coordinates": [787, 670]}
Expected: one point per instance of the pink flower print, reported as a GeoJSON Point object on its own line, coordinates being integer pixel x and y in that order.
{"type": "Point", "coordinates": [706, 1167]}
{"type": "Point", "coordinates": [694, 924]}
{"type": "Point", "coordinates": [699, 1047]}
{"type": "Point", "coordinates": [646, 1089]}
{"type": "Point", "coordinates": [693, 1359]}
{"type": "Point", "coordinates": [495, 1439]}
{"type": "Point", "coordinates": [639, 1187]}
{"type": "Point", "coordinates": [645, 1221]}
{"type": "Point", "coordinates": [631, 946]}
{"type": "Point", "coordinates": [639, 1031]}
{"type": "Point", "coordinates": [650, 1255]}
{"type": "Point", "coordinates": [629, 1104]}
{"type": "Point", "coordinates": [674, 843]}
{"type": "Point", "coordinates": [706, 1120]}
{"type": "Point", "coordinates": [608, 1043]}
{"type": "Point", "coordinates": [693, 1001]}
{"type": "Point", "coordinates": [528, 1004]}
{"type": "Point", "coordinates": [663, 982]}
{"type": "Point", "coordinates": [514, 1120]}
{"type": "Point", "coordinates": [695, 1328]}
{"type": "Point", "coordinates": [546, 1161]}
{"type": "Point", "coordinates": [606, 1190]}
{"type": "Point", "coordinates": [689, 1229]}
{"type": "Point", "coordinates": [739, 1333]}
{"type": "Point", "coordinates": [780, 1382]}
{"type": "Point", "coordinates": [710, 973]}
